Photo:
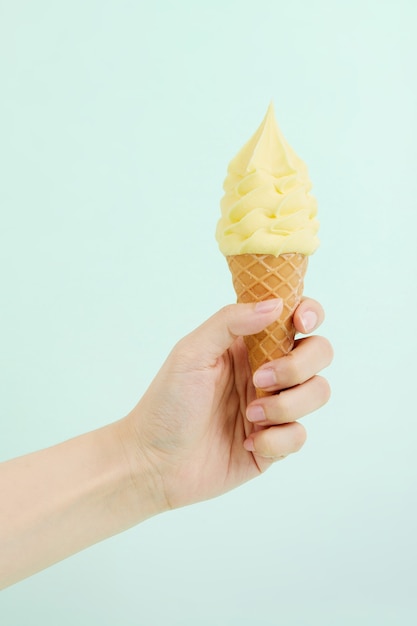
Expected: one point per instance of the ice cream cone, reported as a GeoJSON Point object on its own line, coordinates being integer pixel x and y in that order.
{"type": "Point", "coordinates": [259, 277]}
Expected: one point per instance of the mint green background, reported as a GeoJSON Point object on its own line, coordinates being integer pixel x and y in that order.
{"type": "Point", "coordinates": [117, 121]}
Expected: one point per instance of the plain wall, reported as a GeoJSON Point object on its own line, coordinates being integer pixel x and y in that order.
{"type": "Point", "coordinates": [117, 122]}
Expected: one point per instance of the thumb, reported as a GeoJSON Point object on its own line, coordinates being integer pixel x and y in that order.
{"type": "Point", "coordinates": [210, 340]}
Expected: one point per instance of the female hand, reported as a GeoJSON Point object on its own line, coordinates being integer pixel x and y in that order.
{"type": "Point", "coordinates": [200, 429]}
{"type": "Point", "coordinates": [197, 432]}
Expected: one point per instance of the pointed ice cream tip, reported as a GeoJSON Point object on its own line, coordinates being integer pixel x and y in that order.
{"type": "Point", "coordinates": [267, 207]}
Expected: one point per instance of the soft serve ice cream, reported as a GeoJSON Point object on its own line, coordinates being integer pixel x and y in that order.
{"type": "Point", "coordinates": [267, 207]}
{"type": "Point", "coordinates": [267, 230]}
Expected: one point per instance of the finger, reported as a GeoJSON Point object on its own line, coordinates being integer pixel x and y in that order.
{"type": "Point", "coordinates": [210, 340]}
{"type": "Point", "coordinates": [308, 315]}
{"type": "Point", "coordinates": [310, 356]}
{"type": "Point", "coordinates": [291, 404]}
{"type": "Point", "coordinates": [277, 442]}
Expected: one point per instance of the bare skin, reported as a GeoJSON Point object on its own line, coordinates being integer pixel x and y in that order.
{"type": "Point", "coordinates": [197, 432]}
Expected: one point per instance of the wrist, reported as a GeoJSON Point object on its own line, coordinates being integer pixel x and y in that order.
{"type": "Point", "coordinates": [141, 476]}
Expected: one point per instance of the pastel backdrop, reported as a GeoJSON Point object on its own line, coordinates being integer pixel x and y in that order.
{"type": "Point", "coordinates": [117, 121]}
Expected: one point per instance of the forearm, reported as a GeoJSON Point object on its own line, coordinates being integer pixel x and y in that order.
{"type": "Point", "coordinates": [57, 501]}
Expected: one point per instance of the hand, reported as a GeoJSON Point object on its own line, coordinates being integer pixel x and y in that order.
{"type": "Point", "coordinates": [197, 432]}
{"type": "Point", "coordinates": [200, 429]}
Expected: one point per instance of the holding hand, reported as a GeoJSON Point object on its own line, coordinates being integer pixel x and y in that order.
{"type": "Point", "coordinates": [199, 428]}
{"type": "Point", "coordinates": [197, 432]}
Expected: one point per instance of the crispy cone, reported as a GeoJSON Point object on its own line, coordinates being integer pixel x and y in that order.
{"type": "Point", "coordinates": [259, 277]}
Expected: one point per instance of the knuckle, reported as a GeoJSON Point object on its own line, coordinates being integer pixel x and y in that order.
{"type": "Point", "coordinates": [323, 389]}
{"type": "Point", "coordinates": [181, 347]}
{"type": "Point", "coordinates": [299, 436]}
{"type": "Point", "coordinates": [226, 311]}
{"type": "Point", "coordinates": [329, 350]}
{"type": "Point", "coordinates": [326, 349]}
{"type": "Point", "coordinates": [292, 369]}
{"type": "Point", "coordinates": [177, 352]}
{"type": "Point", "coordinates": [283, 407]}
{"type": "Point", "coordinates": [182, 354]}
{"type": "Point", "coordinates": [226, 315]}
{"type": "Point", "coordinates": [263, 445]}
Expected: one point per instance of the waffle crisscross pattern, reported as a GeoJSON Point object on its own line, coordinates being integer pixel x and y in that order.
{"type": "Point", "coordinates": [259, 277]}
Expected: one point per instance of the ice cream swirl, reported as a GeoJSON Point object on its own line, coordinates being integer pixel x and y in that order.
{"type": "Point", "coordinates": [266, 207]}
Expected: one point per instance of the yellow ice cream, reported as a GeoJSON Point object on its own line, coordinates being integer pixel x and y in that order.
{"type": "Point", "coordinates": [266, 207]}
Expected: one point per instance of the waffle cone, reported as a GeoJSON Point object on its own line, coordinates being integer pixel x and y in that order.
{"type": "Point", "coordinates": [259, 277]}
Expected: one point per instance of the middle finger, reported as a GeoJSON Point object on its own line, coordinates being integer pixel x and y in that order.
{"type": "Point", "coordinates": [309, 357]}
{"type": "Point", "coordinates": [291, 404]}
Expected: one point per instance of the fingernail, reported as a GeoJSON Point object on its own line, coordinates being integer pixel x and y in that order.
{"type": "Point", "coordinates": [248, 445]}
{"type": "Point", "coordinates": [309, 320]}
{"type": "Point", "coordinates": [264, 378]}
{"type": "Point", "coordinates": [255, 413]}
{"type": "Point", "coordinates": [267, 306]}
